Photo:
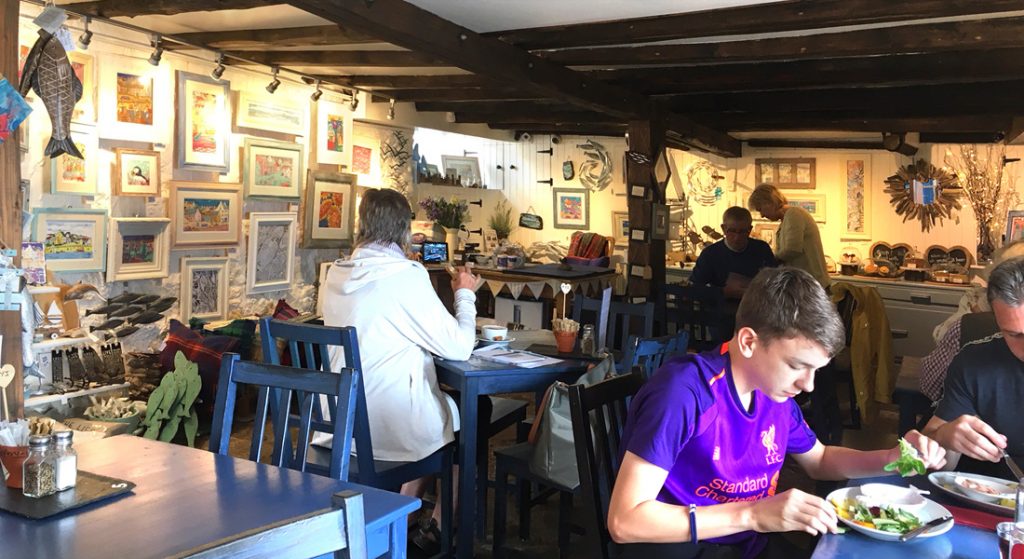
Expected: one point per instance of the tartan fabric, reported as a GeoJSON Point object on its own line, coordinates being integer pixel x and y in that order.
{"type": "Point", "coordinates": [245, 331]}
{"type": "Point", "coordinates": [588, 245]}
{"type": "Point", "coordinates": [206, 352]}
{"type": "Point", "coordinates": [284, 311]}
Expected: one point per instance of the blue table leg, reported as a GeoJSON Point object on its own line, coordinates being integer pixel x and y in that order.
{"type": "Point", "coordinates": [398, 539]}
{"type": "Point", "coordinates": [467, 469]}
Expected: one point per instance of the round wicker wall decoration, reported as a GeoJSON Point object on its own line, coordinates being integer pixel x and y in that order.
{"type": "Point", "coordinates": [923, 192]}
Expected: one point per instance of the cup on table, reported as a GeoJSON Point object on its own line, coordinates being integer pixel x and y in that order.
{"type": "Point", "coordinates": [494, 333]}
{"type": "Point", "coordinates": [1011, 540]}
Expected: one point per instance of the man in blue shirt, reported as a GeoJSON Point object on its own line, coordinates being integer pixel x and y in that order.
{"type": "Point", "coordinates": [731, 262]}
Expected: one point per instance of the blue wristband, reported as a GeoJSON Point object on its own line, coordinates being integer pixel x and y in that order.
{"type": "Point", "coordinates": [693, 523]}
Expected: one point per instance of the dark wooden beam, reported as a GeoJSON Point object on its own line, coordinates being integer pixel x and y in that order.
{"type": "Point", "coordinates": [554, 117]}
{"type": "Point", "coordinates": [645, 138]}
{"type": "Point", "coordinates": [814, 144]}
{"type": "Point", "coordinates": [1015, 133]}
{"type": "Point", "coordinates": [443, 81]}
{"type": "Point", "coordinates": [496, 107]}
{"type": "Point", "coordinates": [408, 26]}
{"type": "Point", "coordinates": [583, 129]}
{"type": "Point", "coordinates": [853, 123]}
{"type": "Point", "coordinates": [133, 8]}
{"type": "Point", "coordinates": [460, 94]}
{"type": "Point", "coordinates": [778, 16]}
{"type": "Point", "coordinates": [343, 58]}
{"type": "Point", "coordinates": [961, 137]}
{"type": "Point", "coordinates": [11, 207]}
{"type": "Point", "coordinates": [271, 39]}
{"type": "Point", "coordinates": [933, 37]}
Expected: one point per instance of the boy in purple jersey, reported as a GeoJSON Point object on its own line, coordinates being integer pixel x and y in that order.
{"type": "Point", "coordinates": [706, 436]}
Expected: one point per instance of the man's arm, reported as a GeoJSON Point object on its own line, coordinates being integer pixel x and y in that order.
{"type": "Point", "coordinates": [838, 463]}
{"type": "Point", "coordinates": [956, 424]}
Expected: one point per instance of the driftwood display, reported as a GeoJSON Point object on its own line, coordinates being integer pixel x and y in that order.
{"type": "Point", "coordinates": [900, 188]}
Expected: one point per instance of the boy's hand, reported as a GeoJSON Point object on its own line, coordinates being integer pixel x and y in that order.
{"type": "Point", "coordinates": [928, 450]}
{"type": "Point", "coordinates": [794, 510]}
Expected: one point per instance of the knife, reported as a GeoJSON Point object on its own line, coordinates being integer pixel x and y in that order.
{"type": "Point", "coordinates": [924, 528]}
{"type": "Point", "coordinates": [1013, 466]}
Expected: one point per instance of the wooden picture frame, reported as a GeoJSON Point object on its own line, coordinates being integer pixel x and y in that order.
{"type": "Point", "coordinates": [273, 170]}
{"type": "Point", "coordinates": [71, 175]}
{"type": "Point", "coordinates": [786, 172]}
{"type": "Point", "coordinates": [571, 208]}
{"type": "Point", "coordinates": [1014, 226]}
{"type": "Point", "coordinates": [74, 240]}
{"type": "Point", "coordinates": [465, 167]}
{"type": "Point", "coordinates": [137, 96]}
{"type": "Point", "coordinates": [203, 121]}
{"type": "Point", "coordinates": [659, 222]}
{"type": "Point", "coordinates": [328, 210]}
{"type": "Point", "coordinates": [136, 172]}
{"type": "Point", "coordinates": [273, 113]}
{"type": "Point", "coordinates": [333, 133]}
{"type": "Point", "coordinates": [84, 66]}
{"type": "Point", "coordinates": [858, 198]}
{"type": "Point", "coordinates": [620, 228]}
{"type": "Point", "coordinates": [766, 232]}
{"type": "Point", "coordinates": [199, 210]}
{"type": "Point", "coordinates": [204, 288]}
{"type": "Point", "coordinates": [813, 203]}
{"type": "Point", "coordinates": [139, 248]}
{"type": "Point", "coordinates": [271, 239]}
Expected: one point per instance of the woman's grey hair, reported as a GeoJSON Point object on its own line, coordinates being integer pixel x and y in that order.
{"type": "Point", "coordinates": [766, 194]}
{"type": "Point", "coordinates": [1006, 282]}
{"type": "Point", "coordinates": [384, 218]}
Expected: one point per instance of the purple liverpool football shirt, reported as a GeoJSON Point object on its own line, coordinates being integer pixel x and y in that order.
{"type": "Point", "coordinates": [688, 420]}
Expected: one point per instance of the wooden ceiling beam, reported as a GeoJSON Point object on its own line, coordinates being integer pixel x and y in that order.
{"type": "Point", "coordinates": [444, 81]}
{"type": "Point", "coordinates": [496, 107]}
{"type": "Point", "coordinates": [133, 8]}
{"type": "Point", "coordinates": [777, 16]}
{"type": "Point", "coordinates": [932, 37]}
{"type": "Point", "coordinates": [344, 58]}
{"type": "Point", "coordinates": [535, 128]}
{"type": "Point", "coordinates": [460, 94]}
{"type": "Point", "coordinates": [550, 117]}
{"type": "Point", "coordinates": [961, 137]}
{"type": "Point", "coordinates": [270, 39]}
{"type": "Point", "coordinates": [863, 123]}
{"type": "Point", "coordinates": [814, 144]}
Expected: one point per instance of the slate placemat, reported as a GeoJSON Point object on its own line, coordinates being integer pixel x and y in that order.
{"type": "Point", "coordinates": [88, 489]}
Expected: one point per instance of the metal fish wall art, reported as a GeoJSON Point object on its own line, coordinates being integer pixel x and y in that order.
{"type": "Point", "coordinates": [48, 72]}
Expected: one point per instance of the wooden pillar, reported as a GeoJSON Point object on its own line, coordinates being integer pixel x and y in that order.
{"type": "Point", "coordinates": [647, 257]}
{"type": "Point", "coordinates": [11, 204]}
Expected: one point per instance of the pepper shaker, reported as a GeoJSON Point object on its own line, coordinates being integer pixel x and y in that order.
{"type": "Point", "coordinates": [37, 471]}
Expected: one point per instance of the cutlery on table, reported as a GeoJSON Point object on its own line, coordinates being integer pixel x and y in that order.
{"type": "Point", "coordinates": [1013, 466]}
{"type": "Point", "coordinates": [924, 528]}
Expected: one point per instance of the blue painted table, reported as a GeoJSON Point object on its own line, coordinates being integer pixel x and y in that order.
{"type": "Point", "coordinates": [477, 377]}
{"type": "Point", "coordinates": [961, 542]}
{"type": "Point", "coordinates": [185, 498]}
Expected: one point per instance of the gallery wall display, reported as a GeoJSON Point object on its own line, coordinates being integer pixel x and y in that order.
{"type": "Point", "coordinates": [273, 169]}
{"type": "Point", "coordinates": [71, 175]}
{"type": "Point", "coordinates": [74, 240]}
{"type": "Point", "coordinates": [204, 288]}
{"type": "Point", "coordinates": [571, 208]}
{"type": "Point", "coordinates": [786, 172]}
{"type": "Point", "coordinates": [133, 95]}
{"type": "Point", "coordinates": [813, 203]}
{"type": "Point", "coordinates": [275, 113]}
{"type": "Point", "coordinates": [271, 253]}
{"type": "Point", "coordinates": [858, 199]}
{"type": "Point", "coordinates": [203, 122]}
{"type": "Point", "coordinates": [333, 133]}
{"type": "Point", "coordinates": [136, 172]}
{"type": "Point", "coordinates": [139, 248]}
{"type": "Point", "coordinates": [620, 228]}
{"type": "Point", "coordinates": [206, 215]}
{"type": "Point", "coordinates": [84, 66]}
{"type": "Point", "coordinates": [328, 210]}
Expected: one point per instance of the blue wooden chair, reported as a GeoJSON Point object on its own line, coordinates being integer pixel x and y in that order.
{"type": "Point", "coordinates": [623, 320]}
{"type": "Point", "coordinates": [650, 353]}
{"type": "Point", "coordinates": [310, 346]}
{"type": "Point", "coordinates": [700, 311]}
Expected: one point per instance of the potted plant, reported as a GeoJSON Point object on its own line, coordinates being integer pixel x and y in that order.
{"type": "Point", "coordinates": [449, 214]}
{"type": "Point", "coordinates": [501, 220]}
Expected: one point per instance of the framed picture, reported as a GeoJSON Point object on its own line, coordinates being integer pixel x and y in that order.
{"type": "Point", "coordinates": [813, 203]}
{"type": "Point", "coordinates": [204, 122]}
{"type": "Point", "coordinates": [271, 251]}
{"type": "Point", "coordinates": [572, 208]}
{"type": "Point", "coordinates": [362, 160]}
{"type": "Point", "coordinates": [328, 210]}
{"type": "Point", "coordinates": [790, 172]}
{"type": "Point", "coordinates": [207, 215]}
{"type": "Point", "coordinates": [276, 113]}
{"type": "Point", "coordinates": [466, 168]}
{"type": "Point", "coordinates": [1014, 226]}
{"type": "Point", "coordinates": [138, 95]}
{"type": "Point", "coordinates": [620, 228]}
{"type": "Point", "coordinates": [84, 66]}
{"type": "Point", "coordinates": [71, 175]}
{"type": "Point", "coordinates": [74, 240]}
{"type": "Point", "coordinates": [333, 133]}
{"type": "Point", "coordinates": [204, 288]}
{"type": "Point", "coordinates": [139, 248]}
{"type": "Point", "coordinates": [766, 232]}
{"type": "Point", "coordinates": [490, 239]}
{"type": "Point", "coordinates": [273, 169]}
{"type": "Point", "coordinates": [136, 172]}
{"type": "Point", "coordinates": [659, 222]}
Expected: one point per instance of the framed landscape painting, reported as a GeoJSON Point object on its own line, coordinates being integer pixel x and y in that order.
{"type": "Point", "coordinates": [74, 240]}
{"type": "Point", "coordinates": [71, 175]}
{"type": "Point", "coordinates": [136, 172]}
{"type": "Point", "coordinates": [572, 208]}
{"type": "Point", "coordinates": [333, 133]}
{"type": "Point", "coordinates": [273, 169]}
{"type": "Point", "coordinates": [206, 215]}
{"type": "Point", "coordinates": [786, 172]}
{"type": "Point", "coordinates": [271, 239]}
{"type": "Point", "coordinates": [275, 113]}
{"type": "Point", "coordinates": [204, 288]}
{"type": "Point", "coordinates": [204, 123]}
{"type": "Point", "coordinates": [139, 248]}
{"type": "Point", "coordinates": [328, 210]}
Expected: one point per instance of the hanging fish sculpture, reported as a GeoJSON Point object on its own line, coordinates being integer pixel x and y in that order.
{"type": "Point", "coordinates": [145, 317]}
{"type": "Point", "coordinates": [48, 72]}
{"type": "Point", "coordinates": [79, 290]}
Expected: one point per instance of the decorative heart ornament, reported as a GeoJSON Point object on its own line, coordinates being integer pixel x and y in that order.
{"type": "Point", "coordinates": [6, 375]}
{"type": "Point", "coordinates": [566, 288]}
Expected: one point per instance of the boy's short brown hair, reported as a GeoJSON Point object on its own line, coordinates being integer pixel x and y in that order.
{"type": "Point", "coordinates": [787, 302]}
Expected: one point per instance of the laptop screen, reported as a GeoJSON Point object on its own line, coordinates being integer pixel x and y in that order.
{"type": "Point", "coordinates": [434, 253]}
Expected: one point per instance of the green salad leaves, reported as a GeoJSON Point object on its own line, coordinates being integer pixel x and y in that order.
{"type": "Point", "coordinates": [909, 463]}
{"type": "Point", "coordinates": [886, 519]}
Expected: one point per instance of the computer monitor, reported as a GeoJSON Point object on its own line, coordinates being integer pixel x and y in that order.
{"type": "Point", "coordinates": [435, 253]}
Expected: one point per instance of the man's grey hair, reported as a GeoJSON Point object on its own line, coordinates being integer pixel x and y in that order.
{"type": "Point", "coordinates": [1006, 282]}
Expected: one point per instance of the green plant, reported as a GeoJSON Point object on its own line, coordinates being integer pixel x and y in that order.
{"type": "Point", "coordinates": [172, 401]}
{"type": "Point", "coordinates": [450, 213]}
{"type": "Point", "coordinates": [501, 219]}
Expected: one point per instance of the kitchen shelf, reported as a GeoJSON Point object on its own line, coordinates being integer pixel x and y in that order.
{"type": "Point", "coordinates": [63, 398]}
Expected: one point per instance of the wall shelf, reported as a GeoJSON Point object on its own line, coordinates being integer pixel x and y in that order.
{"type": "Point", "coordinates": [63, 398]}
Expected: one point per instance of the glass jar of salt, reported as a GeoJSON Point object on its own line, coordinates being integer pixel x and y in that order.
{"type": "Point", "coordinates": [65, 461]}
{"type": "Point", "coordinates": [37, 471]}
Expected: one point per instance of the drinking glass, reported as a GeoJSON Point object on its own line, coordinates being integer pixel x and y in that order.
{"type": "Point", "coordinates": [1011, 540]}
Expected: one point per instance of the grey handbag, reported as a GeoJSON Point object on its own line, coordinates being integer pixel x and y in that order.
{"type": "Point", "coordinates": [554, 453]}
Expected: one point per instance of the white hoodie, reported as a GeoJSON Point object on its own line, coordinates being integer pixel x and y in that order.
{"type": "Point", "coordinates": [401, 324]}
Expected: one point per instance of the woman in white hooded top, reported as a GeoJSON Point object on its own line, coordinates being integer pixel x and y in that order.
{"type": "Point", "coordinates": [401, 325]}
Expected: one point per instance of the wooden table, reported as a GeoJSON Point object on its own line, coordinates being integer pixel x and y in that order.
{"type": "Point", "coordinates": [186, 498]}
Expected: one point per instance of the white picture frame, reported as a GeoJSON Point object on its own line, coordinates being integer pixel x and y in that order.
{"type": "Point", "coordinates": [204, 288]}
{"type": "Point", "coordinates": [85, 251]}
{"type": "Point", "coordinates": [136, 172]}
{"type": "Point", "coordinates": [267, 163]}
{"type": "Point", "coordinates": [813, 203]}
{"type": "Point", "coordinates": [857, 196]}
{"type": "Point", "coordinates": [333, 133]}
{"type": "Point", "coordinates": [71, 175]}
{"type": "Point", "coordinates": [204, 230]}
{"type": "Point", "coordinates": [84, 66]}
{"type": "Point", "coordinates": [124, 110]}
{"type": "Point", "coordinates": [203, 110]}
{"type": "Point", "coordinates": [467, 168]}
{"type": "Point", "coordinates": [271, 255]}
{"type": "Point", "coordinates": [139, 248]}
{"type": "Point", "coordinates": [274, 113]}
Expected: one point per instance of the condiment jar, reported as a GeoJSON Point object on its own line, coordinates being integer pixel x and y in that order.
{"type": "Point", "coordinates": [65, 461]}
{"type": "Point", "coordinates": [587, 343]}
{"type": "Point", "coordinates": [37, 471]}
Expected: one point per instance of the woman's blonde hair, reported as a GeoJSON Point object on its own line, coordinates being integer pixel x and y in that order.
{"type": "Point", "coordinates": [766, 194]}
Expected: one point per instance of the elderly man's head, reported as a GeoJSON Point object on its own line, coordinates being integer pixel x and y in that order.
{"type": "Point", "coordinates": [1006, 297]}
{"type": "Point", "coordinates": [736, 226]}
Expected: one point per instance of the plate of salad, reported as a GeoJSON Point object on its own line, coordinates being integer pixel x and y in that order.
{"type": "Point", "coordinates": [959, 485]}
{"type": "Point", "coordinates": [886, 522]}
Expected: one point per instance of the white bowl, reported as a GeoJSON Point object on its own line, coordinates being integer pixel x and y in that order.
{"type": "Point", "coordinates": [494, 332]}
{"type": "Point", "coordinates": [885, 495]}
{"type": "Point", "coordinates": [1006, 490]}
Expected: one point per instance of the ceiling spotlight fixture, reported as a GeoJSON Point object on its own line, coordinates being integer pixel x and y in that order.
{"type": "Point", "coordinates": [354, 103]}
{"type": "Point", "coordinates": [158, 51]}
{"type": "Point", "coordinates": [86, 37]}
{"type": "Point", "coordinates": [391, 109]}
{"type": "Point", "coordinates": [273, 85]}
{"type": "Point", "coordinates": [316, 94]}
{"type": "Point", "coordinates": [219, 70]}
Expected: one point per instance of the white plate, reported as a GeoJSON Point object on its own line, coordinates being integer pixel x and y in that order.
{"type": "Point", "coordinates": [930, 511]}
{"type": "Point", "coordinates": [945, 482]}
{"type": "Point", "coordinates": [481, 342]}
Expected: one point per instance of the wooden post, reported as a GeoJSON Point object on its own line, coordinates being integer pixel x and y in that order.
{"type": "Point", "coordinates": [11, 204]}
{"type": "Point", "coordinates": [646, 137]}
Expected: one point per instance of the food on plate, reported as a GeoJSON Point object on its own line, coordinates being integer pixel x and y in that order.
{"type": "Point", "coordinates": [886, 519]}
{"type": "Point", "coordinates": [1000, 490]}
{"type": "Point", "coordinates": [909, 463]}
{"type": "Point", "coordinates": [980, 487]}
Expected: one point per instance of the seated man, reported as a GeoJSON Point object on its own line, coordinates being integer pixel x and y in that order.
{"type": "Point", "coordinates": [979, 414]}
{"type": "Point", "coordinates": [731, 262]}
{"type": "Point", "coordinates": [706, 437]}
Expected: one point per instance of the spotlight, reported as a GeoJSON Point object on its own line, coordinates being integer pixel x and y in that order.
{"type": "Point", "coordinates": [273, 85]}
{"type": "Point", "coordinates": [391, 109]}
{"type": "Point", "coordinates": [316, 94]}
{"type": "Point", "coordinates": [219, 70]}
{"type": "Point", "coordinates": [86, 37]}
{"type": "Point", "coordinates": [354, 104]}
{"type": "Point", "coordinates": [158, 52]}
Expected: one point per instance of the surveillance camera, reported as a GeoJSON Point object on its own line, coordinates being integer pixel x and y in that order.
{"type": "Point", "coordinates": [556, 139]}
{"type": "Point", "coordinates": [522, 136]}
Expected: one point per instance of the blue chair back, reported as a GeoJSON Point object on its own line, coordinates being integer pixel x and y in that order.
{"type": "Point", "coordinates": [624, 320]}
{"type": "Point", "coordinates": [649, 353]}
{"type": "Point", "coordinates": [700, 311]}
{"type": "Point", "coordinates": [277, 384]}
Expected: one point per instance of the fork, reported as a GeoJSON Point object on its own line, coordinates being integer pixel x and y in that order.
{"type": "Point", "coordinates": [1013, 466]}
